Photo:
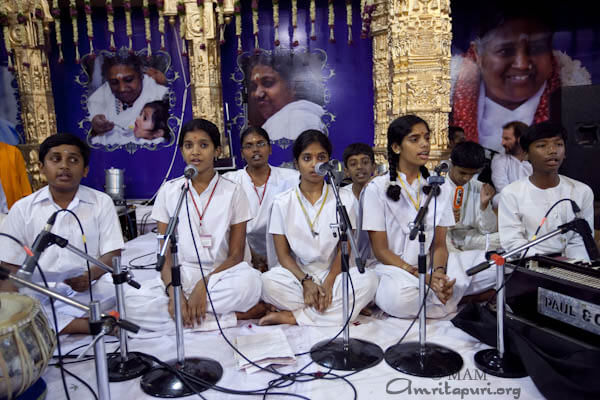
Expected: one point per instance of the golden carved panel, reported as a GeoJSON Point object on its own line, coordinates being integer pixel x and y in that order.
{"type": "Point", "coordinates": [411, 68]}
{"type": "Point", "coordinates": [28, 25]}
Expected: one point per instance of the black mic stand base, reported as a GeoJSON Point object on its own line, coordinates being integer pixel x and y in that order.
{"type": "Point", "coordinates": [428, 359]}
{"type": "Point", "coordinates": [161, 382]}
{"type": "Point", "coordinates": [506, 366]}
{"type": "Point", "coordinates": [357, 355]}
{"type": "Point", "coordinates": [120, 370]}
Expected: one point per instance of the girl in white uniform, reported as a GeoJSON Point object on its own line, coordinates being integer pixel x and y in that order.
{"type": "Point", "coordinates": [390, 204]}
{"type": "Point", "coordinates": [306, 285]}
{"type": "Point", "coordinates": [261, 182]}
{"type": "Point", "coordinates": [217, 209]}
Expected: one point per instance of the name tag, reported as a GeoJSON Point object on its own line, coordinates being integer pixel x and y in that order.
{"type": "Point", "coordinates": [570, 310]}
{"type": "Point", "coordinates": [206, 241]}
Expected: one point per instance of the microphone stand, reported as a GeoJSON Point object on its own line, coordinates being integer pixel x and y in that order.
{"type": "Point", "coordinates": [346, 354]}
{"type": "Point", "coordinates": [161, 381]}
{"type": "Point", "coordinates": [100, 325]}
{"type": "Point", "coordinates": [495, 361]}
{"type": "Point", "coordinates": [127, 365]}
{"type": "Point", "coordinates": [421, 358]}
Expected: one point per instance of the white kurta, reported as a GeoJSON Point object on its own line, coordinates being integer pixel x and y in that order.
{"type": "Point", "coordinates": [314, 255]}
{"type": "Point", "coordinates": [523, 205]}
{"type": "Point", "coordinates": [280, 180]}
{"type": "Point", "coordinates": [102, 229]}
{"type": "Point", "coordinates": [491, 117]}
{"type": "Point", "coordinates": [293, 119]}
{"type": "Point", "coordinates": [103, 101]}
{"type": "Point", "coordinates": [348, 190]}
{"type": "Point", "coordinates": [507, 169]}
{"type": "Point", "coordinates": [236, 289]}
{"type": "Point", "coordinates": [476, 229]}
{"type": "Point", "coordinates": [398, 293]}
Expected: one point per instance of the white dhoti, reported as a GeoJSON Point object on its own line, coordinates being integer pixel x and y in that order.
{"type": "Point", "coordinates": [283, 290]}
{"type": "Point", "coordinates": [236, 289]}
{"type": "Point", "coordinates": [398, 291]}
{"type": "Point", "coordinates": [103, 291]}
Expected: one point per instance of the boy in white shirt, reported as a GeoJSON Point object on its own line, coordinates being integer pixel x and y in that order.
{"type": "Point", "coordinates": [64, 162]}
{"type": "Point", "coordinates": [523, 204]}
{"type": "Point", "coordinates": [476, 223]}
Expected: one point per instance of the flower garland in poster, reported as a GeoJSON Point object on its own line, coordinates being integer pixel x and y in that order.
{"type": "Point", "coordinates": [367, 12]}
{"type": "Point", "coordinates": [40, 29]}
{"type": "Point", "coordinates": [221, 22]}
{"type": "Point", "coordinates": [110, 12]}
{"type": "Point", "coordinates": [294, 22]}
{"type": "Point", "coordinates": [313, 18]}
{"type": "Point", "coordinates": [200, 4]}
{"type": "Point", "coordinates": [73, 13]}
{"type": "Point", "coordinates": [238, 25]}
{"type": "Point", "coordinates": [7, 46]}
{"type": "Point", "coordinates": [161, 23]}
{"type": "Point", "coordinates": [182, 27]}
{"type": "Point", "coordinates": [349, 19]}
{"type": "Point", "coordinates": [147, 32]}
{"type": "Point", "coordinates": [255, 23]}
{"type": "Point", "coordinates": [127, 6]}
{"type": "Point", "coordinates": [87, 8]}
{"type": "Point", "coordinates": [57, 30]}
{"type": "Point", "coordinates": [276, 21]}
{"type": "Point", "coordinates": [331, 21]}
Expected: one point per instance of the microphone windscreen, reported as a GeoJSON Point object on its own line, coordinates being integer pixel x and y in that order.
{"type": "Point", "coordinates": [190, 171]}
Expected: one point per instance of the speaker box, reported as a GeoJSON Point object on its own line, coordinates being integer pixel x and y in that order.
{"type": "Point", "coordinates": [577, 108]}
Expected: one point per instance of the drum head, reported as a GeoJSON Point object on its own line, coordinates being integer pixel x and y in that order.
{"type": "Point", "coordinates": [13, 308]}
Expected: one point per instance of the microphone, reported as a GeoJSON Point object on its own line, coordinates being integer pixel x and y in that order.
{"type": "Point", "coordinates": [441, 167]}
{"type": "Point", "coordinates": [42, 241]}
{"type": "Point", "coordinates": [190, 171]}
{"type": "Point", "coordinates": [330, 166]}
{"type": "Point", "coordinates": [582, 227]}
{"type": "Point", "coordinates": [458, 197]}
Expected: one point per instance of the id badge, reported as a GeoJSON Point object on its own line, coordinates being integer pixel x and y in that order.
{"type": "Point", "coordinates": [206, 241]}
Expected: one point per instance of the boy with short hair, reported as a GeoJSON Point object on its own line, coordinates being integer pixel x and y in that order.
{"type": "Point", "coordinates": [476, 224]}
{"type": "Point", "coordinates": [64, 161]}
{"type": "Point", "coordinates": [359, 165]}
{"type": "Point", "coordinates": [524, 203]}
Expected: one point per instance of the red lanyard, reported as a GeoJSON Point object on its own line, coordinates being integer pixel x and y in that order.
{"type": "Point", "coordinates": [201, 216]}
{"type": "Point", "coordinates": [261, 198]}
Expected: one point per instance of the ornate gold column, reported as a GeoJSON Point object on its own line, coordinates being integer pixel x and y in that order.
{"type": "Point", "coordinates": [381, 77]}
{"type": "Point", "coordinates": [419, 35]}
{"type": "Point", "coordinates": [201, 32]}
{"type": "Point", "coordinates": [26, 31]}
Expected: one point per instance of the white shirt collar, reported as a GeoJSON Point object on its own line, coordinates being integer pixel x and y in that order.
{"type": "Point", "coordinates": [491, 116]}
{"type": "Point", "coordinates": [81, 195]}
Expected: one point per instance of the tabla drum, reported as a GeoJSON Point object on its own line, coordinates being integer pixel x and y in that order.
{"type": "Point", "coordinates": [26, 343]}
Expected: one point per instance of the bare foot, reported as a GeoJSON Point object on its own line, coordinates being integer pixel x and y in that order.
{"type": "Point", "coordinates": [278, 318]}
{"type": "Point", "coordinates": [258, 311]}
